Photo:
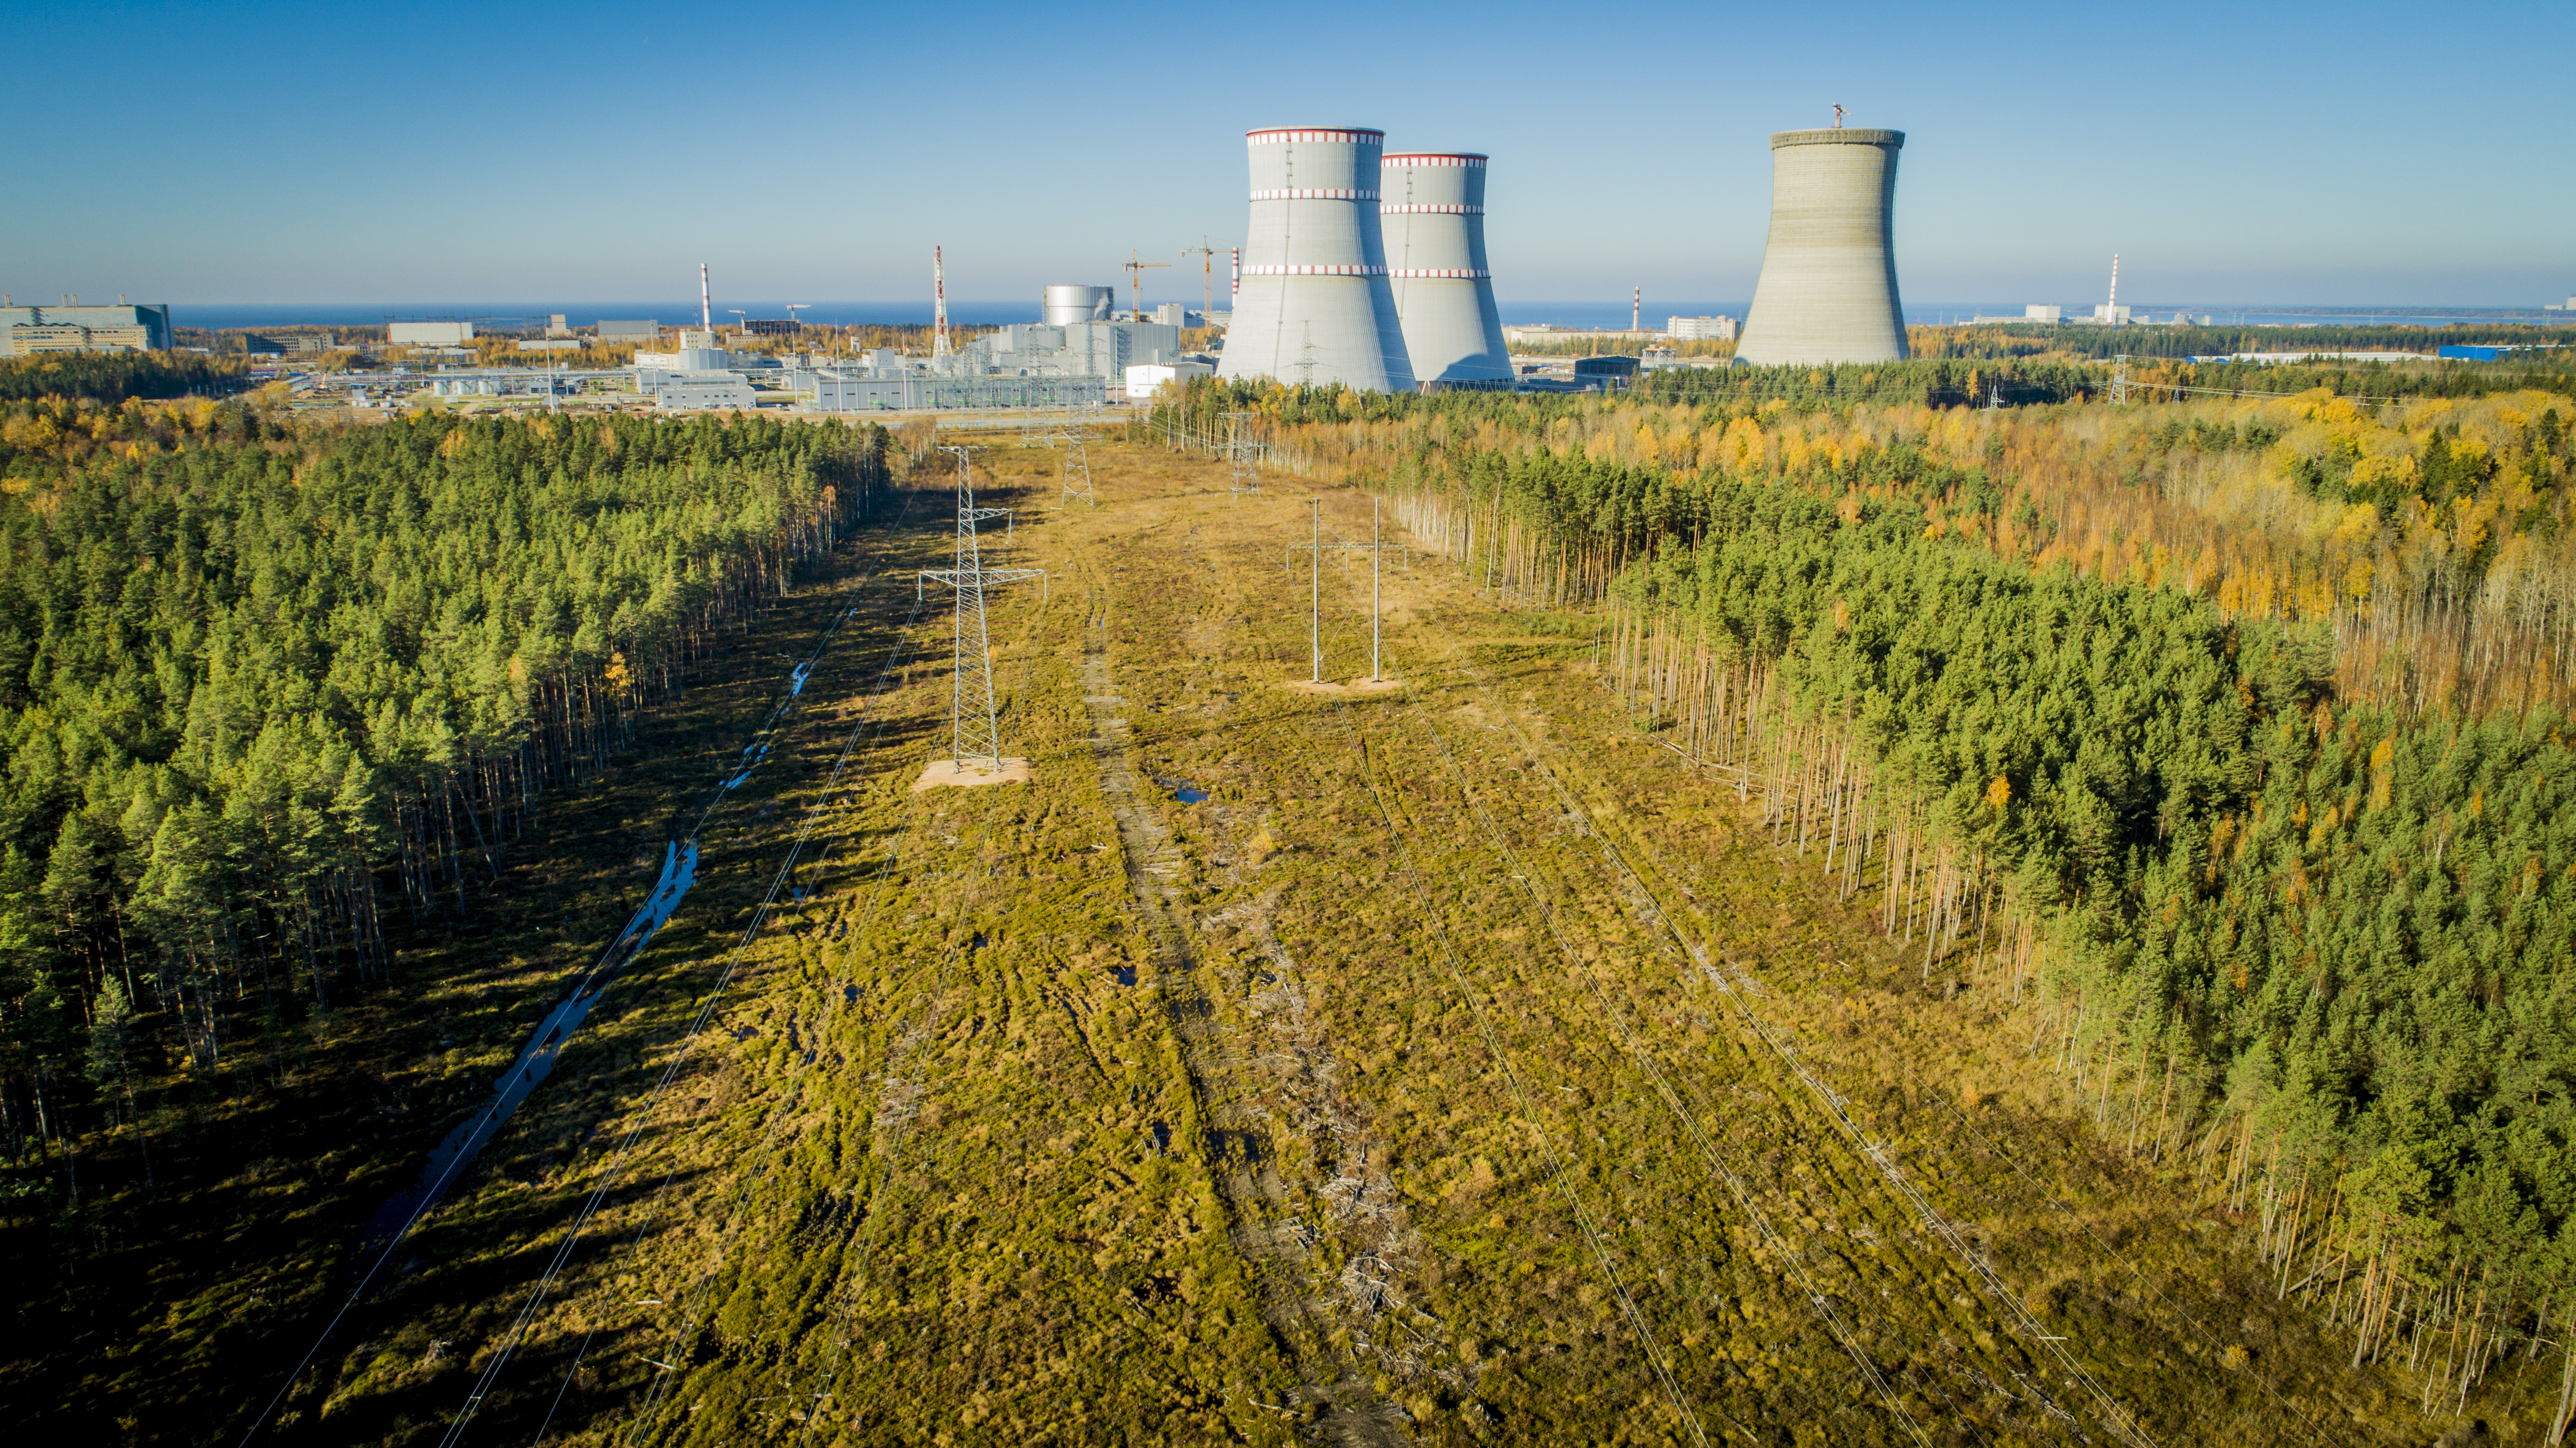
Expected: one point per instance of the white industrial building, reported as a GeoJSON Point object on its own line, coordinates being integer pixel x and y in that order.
{"type": "Point", "coordinates": [429, 334]}
{"type": "Point", "coordinates": [863, 389]}
{"type": "Point", "coordinates": [1700, 329]}
{"type": "Point", "coordinates": [699, 352]}
{"type": "Point", "coordinates": [683, 391]}
{"type": "Point", "coordinates": [1146, 378]}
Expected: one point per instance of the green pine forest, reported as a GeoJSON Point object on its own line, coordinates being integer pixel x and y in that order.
{"type": "Point", "coordinates": [268, 693]}
{"type": "Point", "coordinates": [2315, 938]}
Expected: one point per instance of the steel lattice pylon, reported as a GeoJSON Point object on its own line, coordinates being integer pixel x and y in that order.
{"type": "Point", "coordinates": [1242, 454]}
{"type": "Point", "coordinates": [978, 736]}
{"type": "Point", "coordinates": [1076, 469]}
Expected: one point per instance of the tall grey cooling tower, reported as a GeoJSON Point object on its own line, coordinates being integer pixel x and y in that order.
{"type": "Point", "coordinates": [1434, 210]}
{"type": "Point", "coordinates": [1828, 288]}
{"type": "Point", "coordinates": [1315, 306]}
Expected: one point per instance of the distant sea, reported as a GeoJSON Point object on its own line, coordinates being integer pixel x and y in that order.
{"type": "Point", "coordinates": [1564, 314]}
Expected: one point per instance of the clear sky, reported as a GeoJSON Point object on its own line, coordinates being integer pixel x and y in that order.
{"type": "Point", "coordinates": [2243, 152]}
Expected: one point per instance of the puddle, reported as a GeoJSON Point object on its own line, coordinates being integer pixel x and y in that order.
{"type": "Point", "coordinates": [1182, 790]}
{"type": "Point", "coordinates": [536, 1061]}
{"type": "Point", "coordinates": [796, 680]}
{"type": "Point", "coordinates": [756, 753]}
{"type": "Point", "coordinates": [1162, 1138]}
{"type": "Point", "coordinates": [849, 995]}
{"type": "Point", "coordinates": [1126, 975]}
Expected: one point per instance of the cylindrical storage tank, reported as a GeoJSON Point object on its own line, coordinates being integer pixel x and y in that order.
{"type": "Point", "coordinates": [1828, 288]}
{"type": "Point", "coordinates": [1063, 305]}
{"type": "Point", "coordinates": [1433, 212]}
{"type": "Point", "coordinates": [1315, 306]}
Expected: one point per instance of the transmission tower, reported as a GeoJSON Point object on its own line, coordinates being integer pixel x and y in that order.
{"type": "Point", "coordinates": [978, 736]}
{"type": "Point", "coordinates": [1242, 454]}
{"type": "Point", "coordinates": [1075, 466]}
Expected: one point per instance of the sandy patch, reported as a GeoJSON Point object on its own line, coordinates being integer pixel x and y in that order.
{"type": "Point", "coordinates": [941, 772]}
{"type": "Point", "coordinates": [1354, 688]}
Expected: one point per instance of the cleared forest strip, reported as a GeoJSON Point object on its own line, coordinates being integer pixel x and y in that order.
{"type": "Point", "coordinates": [1233, 1138]}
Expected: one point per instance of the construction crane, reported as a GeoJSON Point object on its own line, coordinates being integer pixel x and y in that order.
{"type": "Point", "coordinates": [1136, 284]}
{"type": "Point", "coordinates": [1207, 279]}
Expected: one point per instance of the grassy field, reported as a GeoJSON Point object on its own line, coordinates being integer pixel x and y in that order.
{"type": "Point", "coordinates": [1446, 1063]}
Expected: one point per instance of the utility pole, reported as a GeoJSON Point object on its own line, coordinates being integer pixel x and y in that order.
{"type": "Point", "coordinates": [1136, 283]}
{"type": "Point", "coordinates": [1207, 276]}
{"type": "Point", "coordinates": [1315, 594]}
{"type": "Point", "coordinates": [972, 724]}
{"type": "Point", "coordinates": [1315, 549]}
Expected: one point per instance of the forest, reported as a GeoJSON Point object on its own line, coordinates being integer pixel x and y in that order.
{"type": "Point", "coordinates": [268, 695]}
{"type": "Point", "coordinates": [2227, 735]}
{"type": "Point", "coordinates": [111, 377]}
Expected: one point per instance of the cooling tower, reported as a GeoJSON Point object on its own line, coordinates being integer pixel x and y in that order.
{"type": "Point", "coordinates": [1315, 306]}
{"type": "Point", "coordinates": [1434, 213]}
{"type": "Point", "coordinates": [1062, 306]}
{"type": "Point", "coordinates": [1828, 288]}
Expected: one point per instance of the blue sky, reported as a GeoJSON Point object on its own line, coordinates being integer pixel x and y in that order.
{"type": "Point", "coordinates": [2358, 153]}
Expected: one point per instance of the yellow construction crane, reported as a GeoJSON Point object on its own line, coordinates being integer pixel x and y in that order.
{"type": "Point", "coordinates": [1136, 284]}
{"type": "Point", "coordinates": [1207, 281]}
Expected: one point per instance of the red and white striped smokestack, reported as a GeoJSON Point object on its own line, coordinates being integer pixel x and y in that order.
{"type": "Point", "coordinates": [939, 303]}
{"type": "Point", "coordinates": [1636, 307]}
{"type": "Point", "coordinates": [1234, 270]}
{"type": "Point", "coordinates": [2115, 286]}
{"type": "Point", "coordinates": [706, 317]}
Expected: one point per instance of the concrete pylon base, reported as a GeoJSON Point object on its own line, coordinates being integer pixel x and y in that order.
{"type": "Point", "coordinates": [947, 772]}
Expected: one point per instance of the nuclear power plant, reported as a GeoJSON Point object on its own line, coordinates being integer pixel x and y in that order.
{"type": "Point", "coordinates": [1316, 307]}
{"type": "Point", "coordinates": [1434, 219]}
{"type": "Point", "coordinates": [1828, 287]}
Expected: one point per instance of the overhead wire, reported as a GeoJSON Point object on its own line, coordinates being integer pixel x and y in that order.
{"type": "Point", "coordinates": [871, 719]}
{"type": "Point", "coordinates": [624, 944]}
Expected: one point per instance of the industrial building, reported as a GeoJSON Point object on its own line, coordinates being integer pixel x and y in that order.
{"type": "Point", "coordinates": [1079, 349]}
{"type": "Point", "coordinates": [1543, 333]}
{"type": "Point", "coordinates": [1077, 356]}
{"type": "Point", "coordinates": [643, 331]}
{"type": "Point", "coordinates": [1315, 305]}
{"type": "Point", "coordinates": [699, 352]}
{"type": "Point", "coordinates": [1828, 289]}
{"type": "Point", "coordinates": [71, 327]}
{"type": "Point", "coordinates": [684, 391]}
{"type": "Point", "coordinates": [1432, 211]}
{"type": "Point", "coordinates": [1700, 329]}
{"type": "Point", "coordinates": [1146, 378]}
{"type": "Point", "coordinates": [872, 390]}
{"type": "Point", "coordinates": [429, 334]}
